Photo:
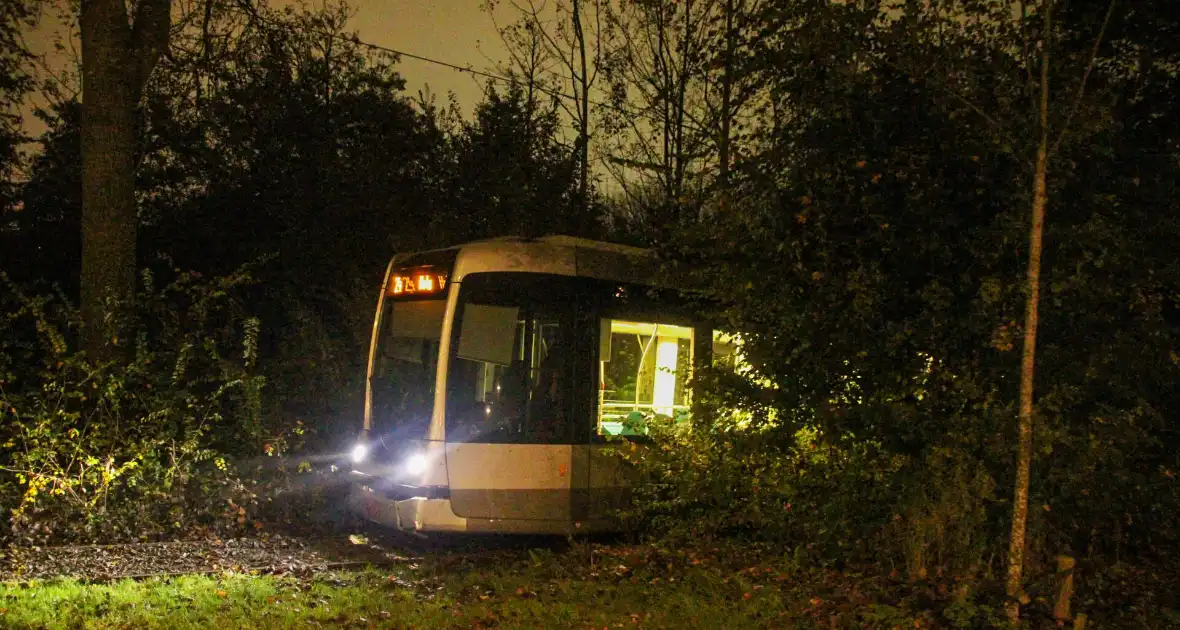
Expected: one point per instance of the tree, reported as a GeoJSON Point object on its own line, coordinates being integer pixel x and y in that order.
{"type": "Point", "coordinates": [328, 182]}
{"type": "Point", "coordinates": [44, 240]}
{"type": "Point", "coordinates": [730, 11]}
{"type": "Point", "coordinates": [680, 98]}
{"type": "Point", "coordinates": [511, 174]}
{"type": "Point", "coordinates": [658, 77]}
{"type": "Point", "coordinates": [15, 81]}
{"type": "Point", "coordinates": [1038, 48]}
{"type": "Point", "coordinates": [1017, 543]}
{"type": "Point", "coordinates": [118, 56]}
{"type": "Point", "coordinates": [878, 266]}
{"type": "Point", "coordinates": [339, 151]}
{"type": "Point", "coordinates": [572, 44]}
{"type": "Point", "coordinates": [530, 63]}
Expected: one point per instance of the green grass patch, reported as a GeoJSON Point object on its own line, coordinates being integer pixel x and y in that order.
{"type": "Point", "coordinates": [534, 589]}
{"type": "Point", "coordinates": [371, 598]}
{"type": "Point", "coordinates": [622, 587]}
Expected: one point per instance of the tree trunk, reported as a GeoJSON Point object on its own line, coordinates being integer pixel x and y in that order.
{"type": "Point", "coordinates": [583, 85]}
{"type": "Point", "coordinates": [1065, 568]}
{"type": "Point", "coordinates": [116, 60]}
{"type": "Point", "coordinates": [663, 67]}
{"type": "Point", "coordinates": [726, 97]}
{"type": "Point", "coordinates": [1018, 539]}
{"type": "Point", "coordinates": [724, 132]}
{"type": "Point", "coordinates": [681, 88]}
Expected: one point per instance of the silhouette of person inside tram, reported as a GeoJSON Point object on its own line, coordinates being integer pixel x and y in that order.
{"type": "Point", "coordinates": [547, 412]}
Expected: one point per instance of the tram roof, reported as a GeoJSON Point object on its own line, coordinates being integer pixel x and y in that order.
{"type": "Point", "coordinates": [554, 254]}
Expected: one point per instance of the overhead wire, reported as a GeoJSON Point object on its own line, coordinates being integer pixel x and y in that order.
{"type": "Point", "coordinates": [356, 40]}
{"type": "Point", "coordinates": [252, 12]}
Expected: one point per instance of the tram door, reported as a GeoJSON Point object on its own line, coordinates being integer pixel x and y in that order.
{"type": "Point", "coordinates": [513, 448]}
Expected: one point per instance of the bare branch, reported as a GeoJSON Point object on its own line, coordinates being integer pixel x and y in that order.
{"type": "Point", "coordinates": [1077, 100]}
{"type": "Point", "coordinates": [533, 13]}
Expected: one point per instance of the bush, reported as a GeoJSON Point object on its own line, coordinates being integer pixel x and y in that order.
{"type": "Point", "coordinates": [313, 356]}
{"type": "Point", "coordinates": [831, 502]}
{"type": "Point", "coordinates": [134, 448]}
{"type": "Point", "coordinates": [934, 510]}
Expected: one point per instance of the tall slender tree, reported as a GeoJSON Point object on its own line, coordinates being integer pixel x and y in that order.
{"type": "Point", "coordinates": [572, 38]}
{"type": "Point", "coordinates": [1045, 145]}
{"type": "Point", "coordinates": [1017, 539]}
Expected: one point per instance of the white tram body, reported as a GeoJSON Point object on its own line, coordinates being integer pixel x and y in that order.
{"type": "Point", "coordinates": [499, 371]}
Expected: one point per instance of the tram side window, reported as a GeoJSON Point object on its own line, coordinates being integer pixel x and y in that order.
{"type": "Point", "coordinates": [644, 371]}
{"type": "Point", "coordinates": [508, 379]}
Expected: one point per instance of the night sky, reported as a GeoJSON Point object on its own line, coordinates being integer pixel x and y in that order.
{"type": "Point", "coordinates": [454, 31]}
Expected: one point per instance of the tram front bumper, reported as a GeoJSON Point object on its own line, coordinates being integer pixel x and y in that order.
{"type": "Point", "coordinates": [411, 514]}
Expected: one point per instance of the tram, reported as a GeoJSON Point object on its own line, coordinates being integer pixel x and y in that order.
{"type": "Point", "coordinates": [498, 373]}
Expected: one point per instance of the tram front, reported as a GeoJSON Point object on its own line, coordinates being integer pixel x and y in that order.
{"type": "Point", "coordinates": [395, 460]}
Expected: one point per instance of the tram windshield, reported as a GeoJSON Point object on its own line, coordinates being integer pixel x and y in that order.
{"type": "Point", "coordinates": [405, 358]}
{"type": "Point", "coordinates": [515, 358]}
{"type": "Point", "coordinates": [406, 363]}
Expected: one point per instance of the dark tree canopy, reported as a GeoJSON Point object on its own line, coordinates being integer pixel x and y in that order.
{"type": "Point", "coordinates": [510, 172]}
{"type": "Point", "coordinates": [15, 82]}
{"type": "Point", "coordinates": [45, 241]}
{"type": "Point", "coordinates": [326, 181]}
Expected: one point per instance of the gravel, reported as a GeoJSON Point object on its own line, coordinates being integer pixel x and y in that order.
{"type": "Point", "coordinates": [269, 554]}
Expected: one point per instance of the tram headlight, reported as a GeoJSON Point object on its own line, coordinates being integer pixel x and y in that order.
{"type": "Point", "coordinates": [417, 464]}
{"type": "Point", "coordinates": [359, 453]}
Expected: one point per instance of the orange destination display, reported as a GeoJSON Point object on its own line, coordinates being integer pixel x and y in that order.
{"type": "Point", "coordinates": [416, 282]}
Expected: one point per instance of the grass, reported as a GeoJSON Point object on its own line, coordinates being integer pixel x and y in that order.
{"type": "Point", "coordinates": [625, 587]}
{"type": "Point", "coordinates": [535, 589]}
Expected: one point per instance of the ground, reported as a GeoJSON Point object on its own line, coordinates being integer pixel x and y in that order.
{"type": "Point", "coordinates": [352, 575]}
{"type": "Point", "coordinates": [518, 586]}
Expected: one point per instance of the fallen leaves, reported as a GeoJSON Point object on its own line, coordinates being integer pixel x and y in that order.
{"type": "Point", "coordinates": [272, 553]}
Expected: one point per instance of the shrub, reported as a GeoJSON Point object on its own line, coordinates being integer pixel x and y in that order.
{"type": "Point", "coordinates": [747, 470]}
{"type": "Point", "coordinates": [133, 448]}
{"type": "Point", "coordinates": [928, 509]}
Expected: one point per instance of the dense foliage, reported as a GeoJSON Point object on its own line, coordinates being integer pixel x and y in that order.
{"type": "Point", "coordinates": [128, 449]}
{"type": "Point", "coordinates": [866, 233]}
{"type": "Point", "coordinates": [875, 269]}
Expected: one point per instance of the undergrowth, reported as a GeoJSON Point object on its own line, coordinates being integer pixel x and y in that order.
{"type": "Point", "coordinates": [148, 445]}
